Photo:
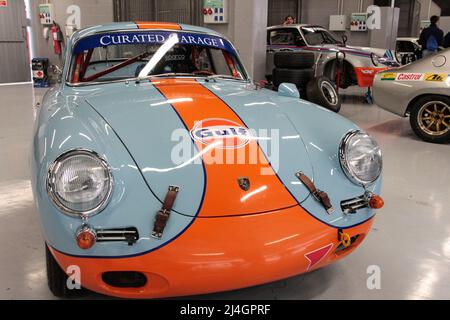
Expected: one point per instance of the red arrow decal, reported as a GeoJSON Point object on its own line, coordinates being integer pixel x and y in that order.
{"type": "Point", "coordinates": [315, 256]}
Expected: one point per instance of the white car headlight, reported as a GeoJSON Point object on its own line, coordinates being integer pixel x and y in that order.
{"type": "Point", "coordinates": [360, 157]}
{"type": "Point", "coordinates": [80, 183]}
{"type": "Point", "coordinates": [375, 59]}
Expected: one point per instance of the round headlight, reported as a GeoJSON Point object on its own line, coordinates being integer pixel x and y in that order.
{"type": "Point", "coordinates": [360, 157]}
{"type": "Point", "coordinates": [80, 183]}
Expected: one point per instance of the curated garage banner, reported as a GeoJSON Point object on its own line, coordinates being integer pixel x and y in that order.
{"type": "Point", "coordinates": [104, 40]}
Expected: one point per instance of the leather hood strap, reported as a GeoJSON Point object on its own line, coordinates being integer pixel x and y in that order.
{"type": "Point", "coordinates": [319, 195]}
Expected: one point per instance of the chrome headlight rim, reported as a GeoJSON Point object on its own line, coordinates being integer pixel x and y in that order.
{"type": "Point", "coordinates": [51, 184]}
{"type": "Point", "coordinates": [375, 59]}
{"type": "Point", "coordinates": [344, 163]}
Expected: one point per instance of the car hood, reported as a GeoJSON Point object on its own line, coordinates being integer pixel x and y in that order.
{"type": "Point", "coordinates": [165, 125]}
{"type": "Point", "coordinates": [366, 51]}
{"type": "Point", "coordinates": [379, 52]}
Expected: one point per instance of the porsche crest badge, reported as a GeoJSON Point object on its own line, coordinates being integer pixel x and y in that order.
{"type": "Point", "coordinates": [244, 183]}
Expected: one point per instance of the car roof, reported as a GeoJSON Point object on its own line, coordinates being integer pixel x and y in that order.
{"type": "Point", "coordinates": [295, 25]}
{"type": "Point", "coordinates": [407, 39]}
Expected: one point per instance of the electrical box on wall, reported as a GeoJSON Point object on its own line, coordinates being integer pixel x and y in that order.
{"type": "Point", "coordinates": [215, 11]}
{"type": "Point", "coordinates": [338, 22]}
{"type": "Point", "coordinates": [358, 22]}
{"type": "Point", "coordinates": [46, 13]}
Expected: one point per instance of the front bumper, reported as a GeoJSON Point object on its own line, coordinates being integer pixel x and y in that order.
{"type": "Point", "coordinates": [220, 254]}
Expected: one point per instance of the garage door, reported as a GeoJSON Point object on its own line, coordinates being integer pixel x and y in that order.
{"type": "Point", "coordinates": [14, 66]}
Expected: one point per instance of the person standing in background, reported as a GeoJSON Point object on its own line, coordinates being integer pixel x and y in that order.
{"type": "Point", "coordinates": [288, 20]}
{"type": "Point", "coordinates": [431, 38]}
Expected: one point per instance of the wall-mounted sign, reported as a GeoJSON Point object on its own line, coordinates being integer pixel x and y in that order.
{"type": "Point", "coordinates": [46, 13]}
{"type": "Point", "coordinates": [215, 11]}
{"type": "Point", "coordinates": [3, 3]}
{"type": "Point", "coordinates": [358, 22]}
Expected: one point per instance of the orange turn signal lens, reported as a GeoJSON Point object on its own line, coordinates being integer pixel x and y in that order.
{"type": "Point", "coordinates": [376, 202]}
{"type": "Point", "coordinates": [86, 238]}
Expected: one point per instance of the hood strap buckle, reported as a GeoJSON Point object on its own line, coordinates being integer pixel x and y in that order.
{"type": "Point", "coordinates": [319, 195]}
{"type": "Point", "coordinates": [162, 216]}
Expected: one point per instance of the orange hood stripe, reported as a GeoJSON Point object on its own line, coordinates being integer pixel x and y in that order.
{"type": "Point", "coordinates": [157, 25]}
{"type": "Point", "coordinates": [193, 103]}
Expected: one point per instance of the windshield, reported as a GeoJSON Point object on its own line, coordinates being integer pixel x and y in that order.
{"type": "Point", "coordinates": [120, 56]}
{"type": "Point", "coordinates": [317, 36]}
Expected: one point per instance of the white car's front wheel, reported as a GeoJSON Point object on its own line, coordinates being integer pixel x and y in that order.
{"type": "Point", "coordinates": [430, 118]}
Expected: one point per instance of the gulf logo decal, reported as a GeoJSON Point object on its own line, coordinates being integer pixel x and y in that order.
{"type": "Point", "coordinates": [225, 133]}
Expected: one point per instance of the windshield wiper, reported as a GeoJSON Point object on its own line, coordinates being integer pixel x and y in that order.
{"type": "Point", "coordinates": [180, 74]}
{"type": "Point", "coordinates": [222, 76]}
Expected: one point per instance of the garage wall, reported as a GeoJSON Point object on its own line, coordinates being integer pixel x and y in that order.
{"type": "Point", "coordinates": [92, 12]}
{"type": "Point", "coordinates": [181, 11]}
{"type": "Point", "coordinates": [428, 8]}
{"type": "Point", "coordinates": [445, 24]}
{"type": "Point", "coordinates": [318, 12]}
{"type": "Point", "coordinates": [279, 9]}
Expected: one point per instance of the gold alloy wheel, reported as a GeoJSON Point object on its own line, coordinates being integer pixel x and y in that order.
{"type": "Point", "coordinates": [434, 118]}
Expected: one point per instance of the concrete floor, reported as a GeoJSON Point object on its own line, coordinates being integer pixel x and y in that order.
{"type": "Point", "coordinates": [410, 241]}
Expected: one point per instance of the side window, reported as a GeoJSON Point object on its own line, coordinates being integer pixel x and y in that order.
{"type": "Point", "coordinates": [287, 37]}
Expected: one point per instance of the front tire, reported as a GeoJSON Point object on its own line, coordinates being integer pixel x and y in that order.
{"type": "Point", "coordinates": [430, 118]}
{"type": "Point", "coordinates": [321, 91]}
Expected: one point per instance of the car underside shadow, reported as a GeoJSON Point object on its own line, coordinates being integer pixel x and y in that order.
{"type": "Point", "coordinates": [303, 287]}
{"type": "Point", "coordinates": [398, 127]}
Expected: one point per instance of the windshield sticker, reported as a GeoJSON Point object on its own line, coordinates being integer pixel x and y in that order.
{"type": "Point", "coordinates": [151, 38]}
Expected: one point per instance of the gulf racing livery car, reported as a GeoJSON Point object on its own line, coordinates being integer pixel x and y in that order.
{"type": "Point", "coordinates": [360, 63]}
{"type": "Point", "coordinates": [161, 170]}
{"type": "Point", "coordinates": [420, 90]}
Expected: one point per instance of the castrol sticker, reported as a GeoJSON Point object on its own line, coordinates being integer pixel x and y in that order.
{"type": "Point", "coordinates": [410, 77]}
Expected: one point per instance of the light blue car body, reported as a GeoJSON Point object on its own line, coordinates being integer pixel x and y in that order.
{"type": "Point", "coordinates": [116, 121]}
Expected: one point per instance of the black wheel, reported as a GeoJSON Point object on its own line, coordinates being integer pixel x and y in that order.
{"type": "Point", "coordinates": [57, 278]}
{"type": "Point", "coordinates": [298, 77]}
{"type": "Point", "coordinates": [294, 60]}
{"type": "Point", "coordinates": [321, 91]}
{"type": "Point", "coordinates": [430, 118]}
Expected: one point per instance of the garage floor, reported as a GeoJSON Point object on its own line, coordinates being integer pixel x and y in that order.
{"type": "Point", "coordinates": [410, 241]}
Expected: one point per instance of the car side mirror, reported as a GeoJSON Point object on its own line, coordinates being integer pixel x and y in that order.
{"type": "Point", "coordinates": [288, 90]}
{"type": "Point", "coordinates": [344, 40]}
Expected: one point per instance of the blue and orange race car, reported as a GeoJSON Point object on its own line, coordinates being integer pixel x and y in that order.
{"type": "Point", "coordinates": [160, 169]}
